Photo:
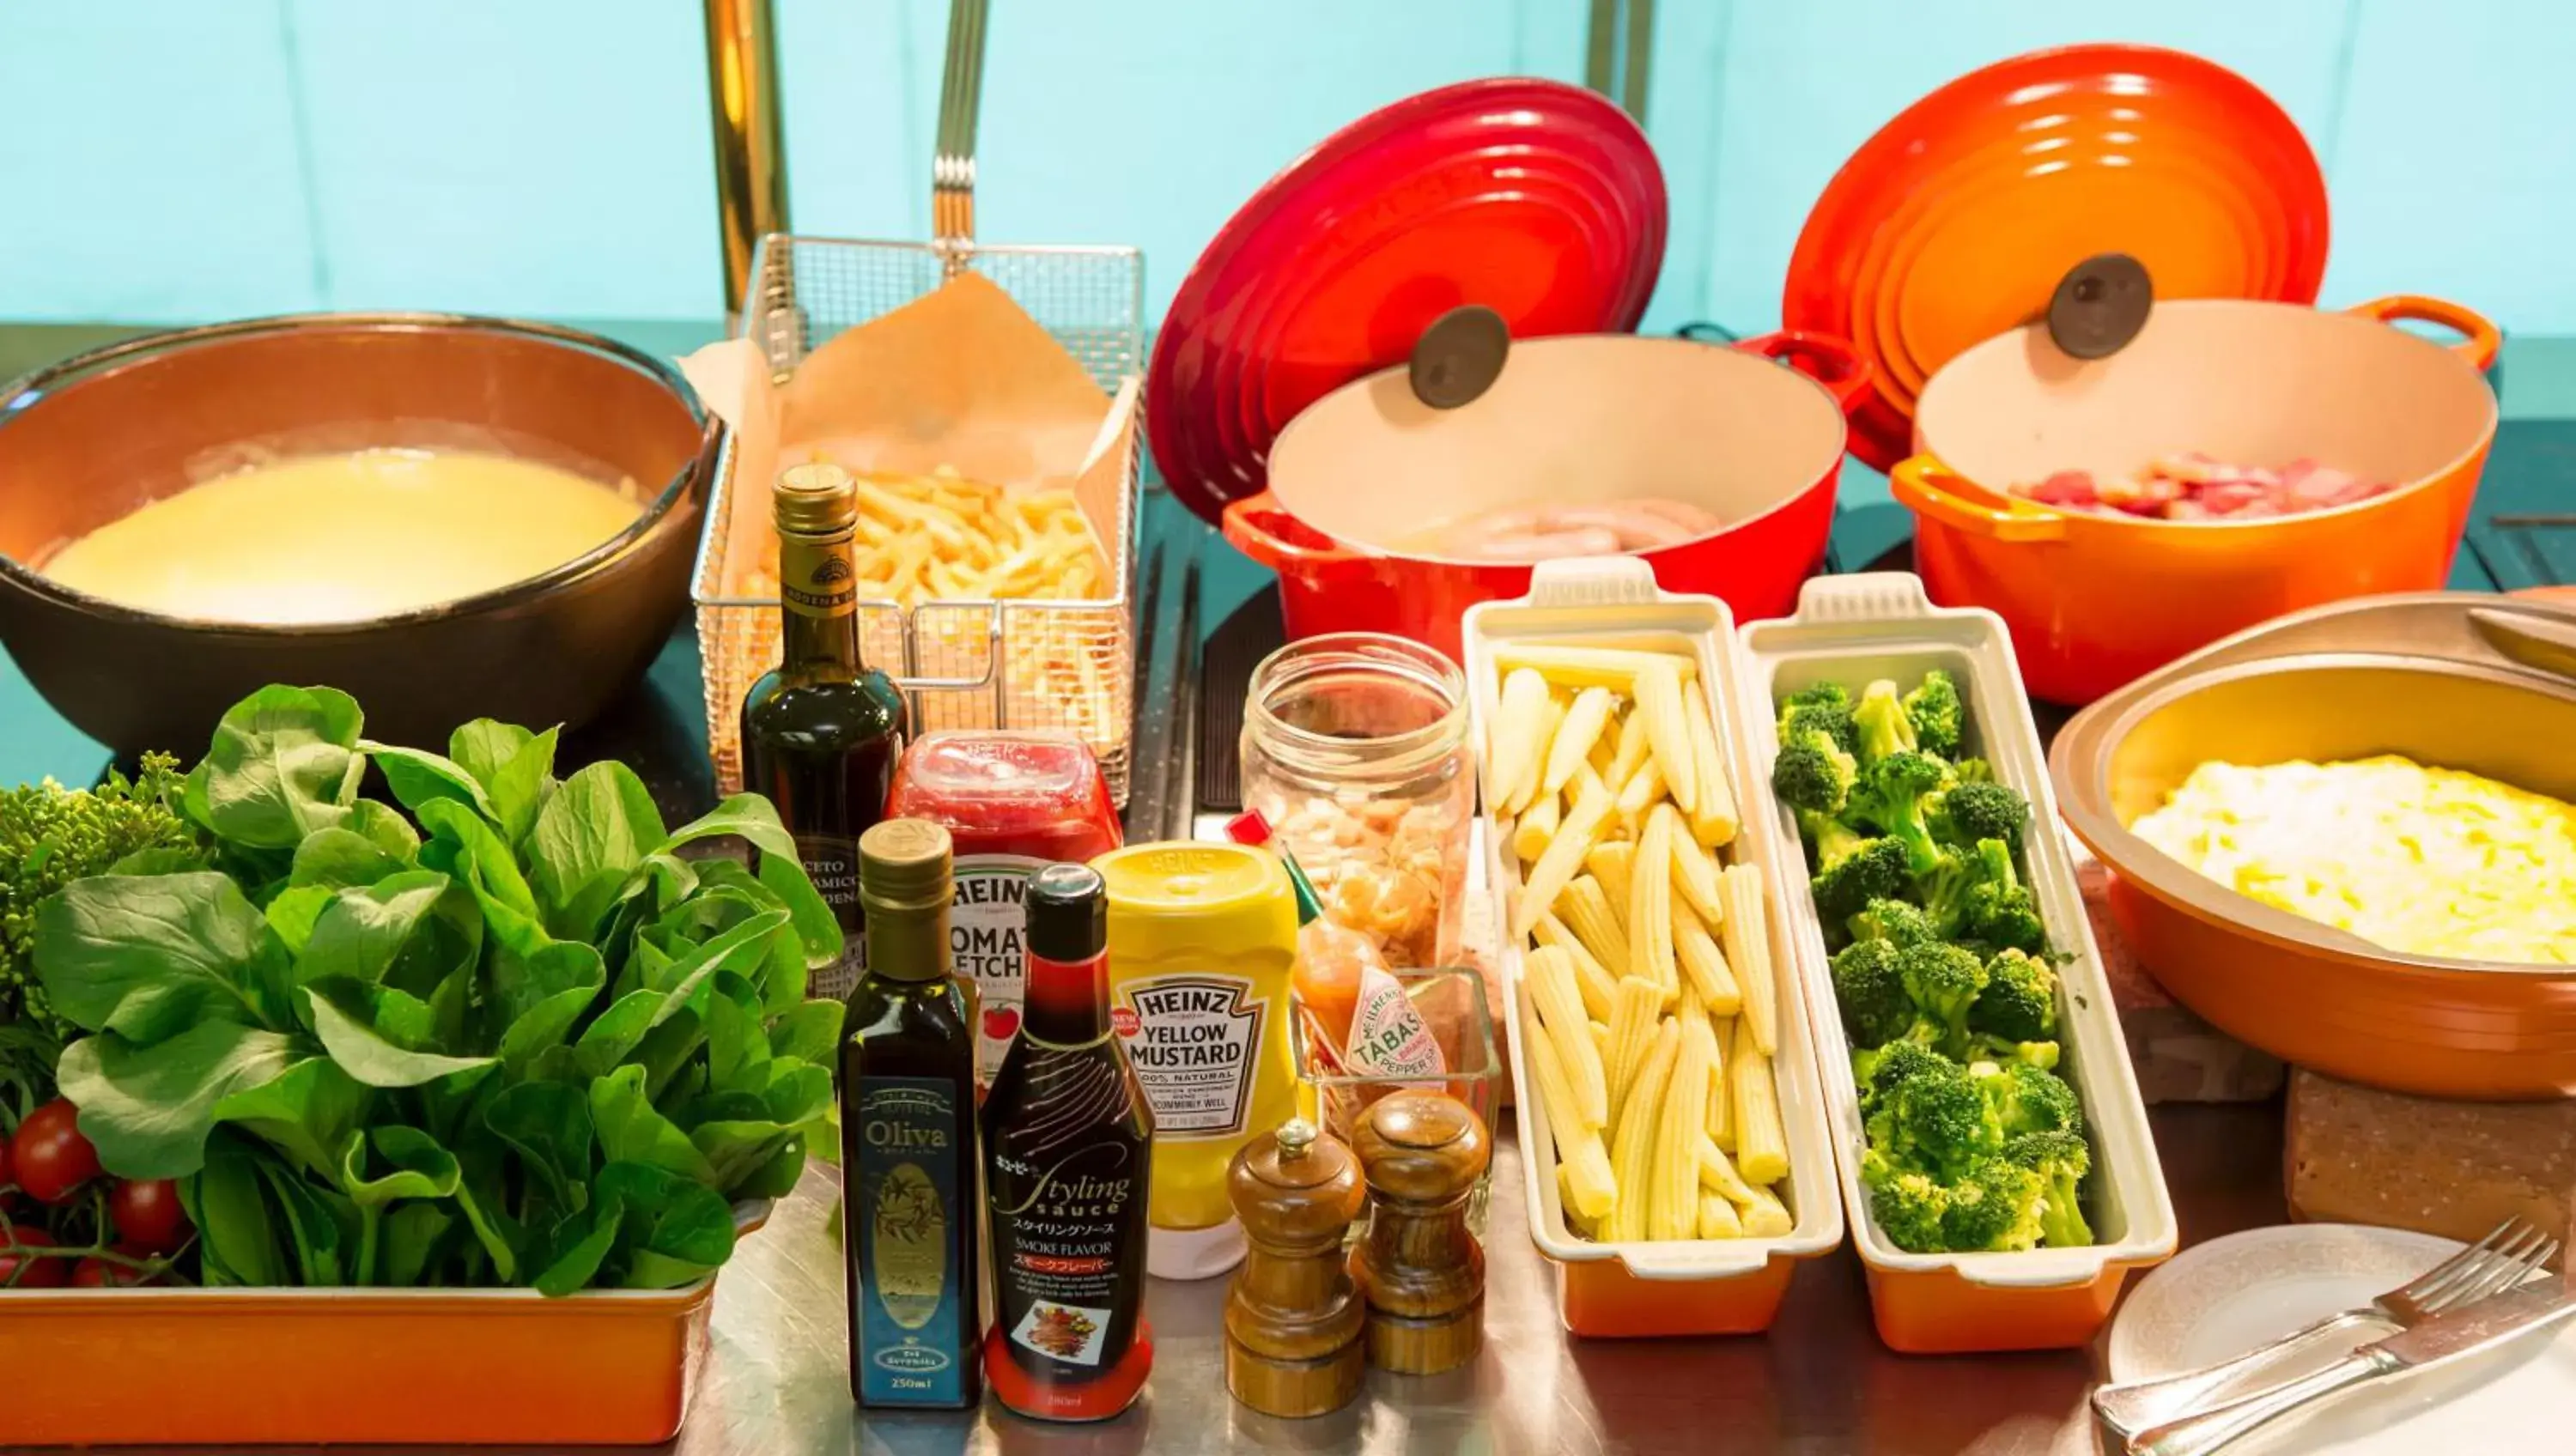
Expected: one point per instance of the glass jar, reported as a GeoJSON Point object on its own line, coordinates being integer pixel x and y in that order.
{"type": "Point", "coordinates": [1355, 749]}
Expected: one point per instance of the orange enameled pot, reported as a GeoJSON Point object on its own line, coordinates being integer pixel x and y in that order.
{"type": "Point", "coordinates": [2457, 680]}
{"type": "Point", "coordinates": [2095, 600]}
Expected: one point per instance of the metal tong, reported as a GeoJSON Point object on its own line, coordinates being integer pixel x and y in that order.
{"type": "Point", "coordinates": [952, 164]}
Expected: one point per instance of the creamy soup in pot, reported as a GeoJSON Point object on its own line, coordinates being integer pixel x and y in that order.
{"type": "Point", "coordinates": [345, 537]}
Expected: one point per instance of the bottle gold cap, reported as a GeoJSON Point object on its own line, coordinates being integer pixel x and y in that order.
{"type": "Point", "coordinates": [904, 867]}
{"type": "Point", "coordinates": [816, 499]}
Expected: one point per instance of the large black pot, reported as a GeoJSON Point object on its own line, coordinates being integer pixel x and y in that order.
{"type": "Point", "coordinates": [93, 438]}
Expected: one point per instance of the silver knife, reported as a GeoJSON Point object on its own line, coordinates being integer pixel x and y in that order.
{"type": "Point", "coordinates": [2460, 1334]}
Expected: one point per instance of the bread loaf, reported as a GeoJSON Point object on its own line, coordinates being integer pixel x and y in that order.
{"type": "Point", "coordinates": [2358, 1155]}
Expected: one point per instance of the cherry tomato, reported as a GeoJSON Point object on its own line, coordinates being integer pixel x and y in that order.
{"type": "Point", "coordinates": [100, 1274]}
{"type": "Point", "coordinates": [41, 1273]}
{"type": "Point", "coordinates": [148, 1217]}
{"type": "Point", "coordinates": [51, 1158]}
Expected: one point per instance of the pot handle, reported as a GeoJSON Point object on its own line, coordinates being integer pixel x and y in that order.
{"type": "Point", "coordinates": [1259, 528]}
{"type": "Point", "coordinates": [1929, 488]}
{"type": "Point", "coordinates": [1829, 361]}
{"type": "Point", "coordinates": [2479, 340]}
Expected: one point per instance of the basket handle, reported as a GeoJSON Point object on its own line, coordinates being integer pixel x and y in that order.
{"type": "Point", "coordinates": [952, 165]}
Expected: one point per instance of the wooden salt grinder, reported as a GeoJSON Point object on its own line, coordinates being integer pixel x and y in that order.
{"type": "Point", "coordinates": [1419, 1267]}
{"type": "Point", "coordinates": [1292, 1319]}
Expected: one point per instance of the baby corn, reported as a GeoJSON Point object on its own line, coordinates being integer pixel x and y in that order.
{"type": "Point", "coordinates": [1635, 1140]}
{"type": "Point", "coordinates": [1650, 1022]}
{"type": "Point", "coordinates": [1550, 974]}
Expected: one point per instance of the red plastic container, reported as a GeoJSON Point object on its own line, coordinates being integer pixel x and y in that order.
{"type": "Point", "coordinates": [1570, 420]}
{"type": "Point", "coordinates": [1012, 803]}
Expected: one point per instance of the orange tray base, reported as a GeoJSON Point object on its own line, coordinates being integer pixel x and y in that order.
{"type": "Point", "coordinates": [1938, 1313]}
{"type": "Point", "coordinates": [1600, 1298]}
{"type": "Point", "coordinates": [371, 1367]}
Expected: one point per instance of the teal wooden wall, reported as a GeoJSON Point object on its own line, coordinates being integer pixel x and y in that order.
{"type": "Point", "coordinates": [170, 160]}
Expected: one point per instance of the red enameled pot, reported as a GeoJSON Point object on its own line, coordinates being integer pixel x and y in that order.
{"type": "Point", "coordinates": [1584, 419]}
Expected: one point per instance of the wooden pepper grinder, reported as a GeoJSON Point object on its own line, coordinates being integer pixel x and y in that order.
{"type": "Point", "coordinates": [1419, 1268]}
{"type": "Point", "coordinates": [1292, 1320]}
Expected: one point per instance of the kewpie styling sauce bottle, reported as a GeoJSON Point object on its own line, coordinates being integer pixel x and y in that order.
{"type": "Point", "coordinates": [1201, 941]}
{"type": "Point", "coordinates": [1068, 1160]}
{"type": "Point", "coordinates": [908, 1161]}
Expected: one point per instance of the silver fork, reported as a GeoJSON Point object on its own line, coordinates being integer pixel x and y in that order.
{"type": "Point", "coordinates": [2501, 1260]}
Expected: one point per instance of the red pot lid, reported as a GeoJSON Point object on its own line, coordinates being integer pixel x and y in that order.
{"type": "Point", "coordinates": [1539, 200]}
{"type": "Point", "coordinates": [1959, 219]}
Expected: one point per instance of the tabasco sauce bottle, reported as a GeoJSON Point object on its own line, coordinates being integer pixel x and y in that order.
{"type": "Point", "coordinates": [1068, 1143]}
{"type": "Point", "coordinates": [908, 1160]}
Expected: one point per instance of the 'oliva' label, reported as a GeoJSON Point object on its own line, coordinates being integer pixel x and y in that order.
{"type": "Point", "coordinates": [1194, 1040]}
{"type": "Point", "coordinates": [911, 1312]}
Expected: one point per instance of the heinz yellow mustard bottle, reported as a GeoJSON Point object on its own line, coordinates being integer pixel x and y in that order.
{"type": "Point", "coordinates": [1201, 941]}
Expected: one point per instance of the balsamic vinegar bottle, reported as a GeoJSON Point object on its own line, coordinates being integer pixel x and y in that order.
{"type": "Point", "coordinates": [908, 1160]}
{"type": "Point", "coordinates": [1068, 1143]}
{"type": "Point", "coordinates": [821, 732]}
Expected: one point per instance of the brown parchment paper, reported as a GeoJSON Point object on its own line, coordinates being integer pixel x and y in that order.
{"type": "Point", "coordinates": [961, 377]}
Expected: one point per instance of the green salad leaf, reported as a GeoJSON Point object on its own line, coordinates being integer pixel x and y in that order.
{"type": "Point", "coordinates": [497, 1031]}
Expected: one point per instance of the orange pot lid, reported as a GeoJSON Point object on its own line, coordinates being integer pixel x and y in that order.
{"type": "Point", "coordinates": [1531, 198]}
{"type": "Point", "coordinates": [1959, 218]}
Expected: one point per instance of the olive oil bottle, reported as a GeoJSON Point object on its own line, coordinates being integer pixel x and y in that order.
{"type": "Point", "coordinates": [821, 733]}
{"type": "Point", "coordinates": [908, 1147]}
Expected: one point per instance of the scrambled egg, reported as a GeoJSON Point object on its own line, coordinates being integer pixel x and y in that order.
{"type": "Point", "coordinates": [2425, 861]}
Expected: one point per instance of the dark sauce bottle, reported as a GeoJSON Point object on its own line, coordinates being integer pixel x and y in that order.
{"type": "Point", "coordinates": [908, 1160]}
{"type": "Point", "coordinates": [1068, 1144]}
{"type": "Point", "coordinates": [821, 733]}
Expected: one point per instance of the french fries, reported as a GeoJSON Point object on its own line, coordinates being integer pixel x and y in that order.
{"type": "Point", "coordinates": [944, 536]}
{"type": "Point", "coordinates": [1651, 1021]}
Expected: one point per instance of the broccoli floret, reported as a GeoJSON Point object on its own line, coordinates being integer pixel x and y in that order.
{"type": "Point", "coordinates": [1910, 1209]}
{"type": "Point", "coordinates": [1998, 909]}
{"type": "Point", "coordinates": [1812, 773]}
{"type": "Point", "coordinates": [1944, 983]}
{"type": "Point", "coordinates": [2019, 1003]}
{"type": "Point", "coordinates": [1852, 869]}
{"type": "Point", "coordinates": [51, 836]}
{"type": "Point", "coordinates": [1943, 894]}
{"type": "Point", "coordinates": [2041, 1054]}
{"type": "Point", "coordinates": [2027, 1099]}
{"type": "Point", "coordinates": [1823, 694]}
{"type": "Point", "coordinates": [1935, 1121]}
{"type": "Point", "coordinates": [1880, 717]}
{"type": "Point", "coordinates": [1973, 771]}
{"type": "Point", "coordinates": [1933, 708]}
{"type": "Point", "coordinates": [1876, 1073]}
{"type": "Point", "coordinates": [1870, 993]}
{"type": "Point", "coordinates": [1999, 1205]}
{"type": "Point", "coordinates": [1894, 921]}
{"type": "Point", "coordinates": [1890, 795]}
{"type": "Point", "coordinates": [1827, 707]}
{"type": "Point", "coordinates": [2061, 1160]}
{"type": "Point", "coordinates": [1975, 896]}
{"type": "Point", "coordinates": [1972, 811]}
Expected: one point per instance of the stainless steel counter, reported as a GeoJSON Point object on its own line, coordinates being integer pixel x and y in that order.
{"type": "Point", "coordinates": [777, 1383]}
